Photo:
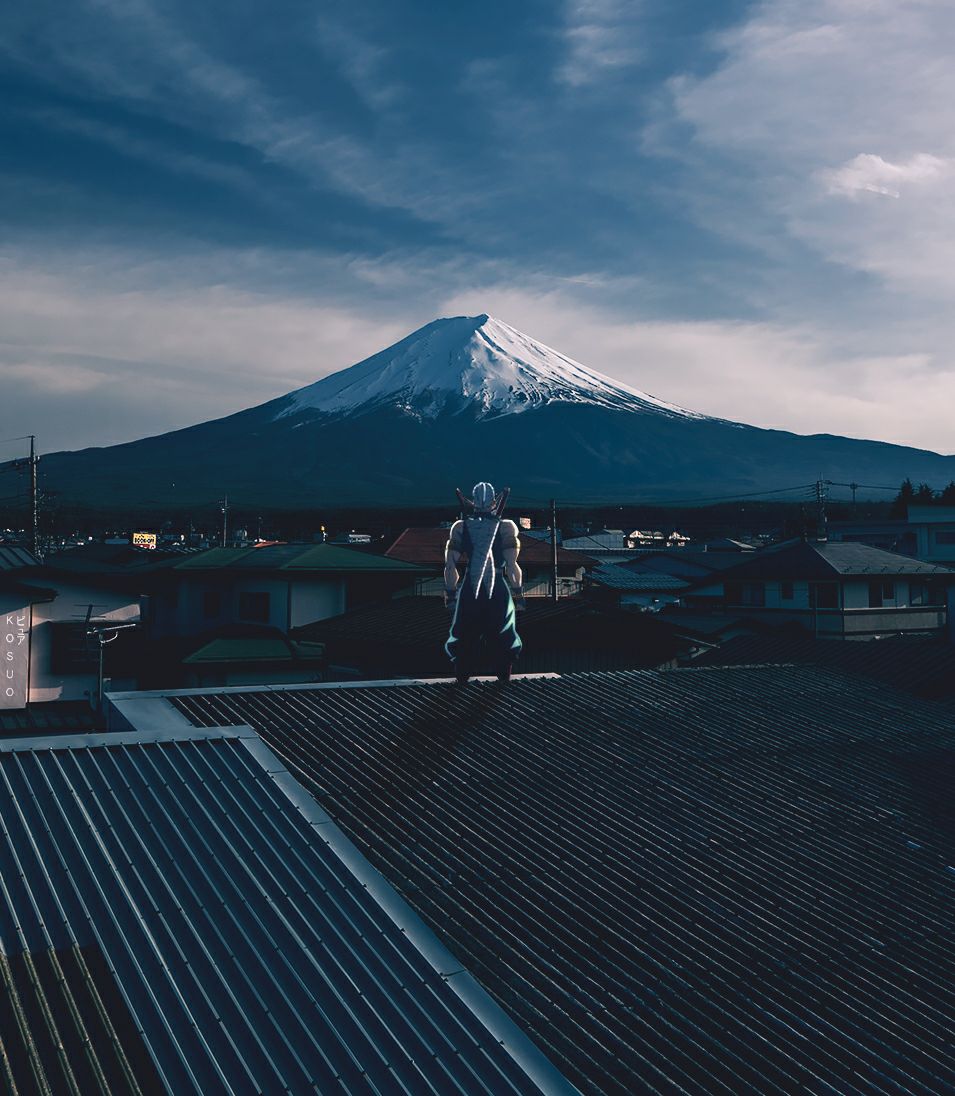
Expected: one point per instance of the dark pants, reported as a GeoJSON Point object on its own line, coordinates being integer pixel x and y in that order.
{"type": "Point", "coordinates": [486, 625]}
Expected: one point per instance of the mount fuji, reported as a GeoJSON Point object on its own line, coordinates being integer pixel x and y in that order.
{"type": "Point", "coordinates": [460, 400]}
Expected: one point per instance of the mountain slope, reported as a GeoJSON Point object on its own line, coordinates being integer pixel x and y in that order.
{"type": "Point", "coordinates": [460, 400]}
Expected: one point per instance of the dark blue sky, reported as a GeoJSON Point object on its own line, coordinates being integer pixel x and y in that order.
{"type": "Point", "coordinates": [206, 205]}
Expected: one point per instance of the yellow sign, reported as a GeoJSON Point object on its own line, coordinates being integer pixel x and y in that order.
{"type": "Point", "coordinates": [144, 540]}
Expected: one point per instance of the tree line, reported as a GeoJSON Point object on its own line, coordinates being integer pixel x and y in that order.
{"type": "Point", "coordinates": [921, 495]}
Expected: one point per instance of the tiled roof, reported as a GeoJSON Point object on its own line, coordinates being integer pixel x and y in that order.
{"type": "Point", "coordinates": [921, 665]}
{"type": "Point", "coordinates": [700, 881]}
{"type": "Point", "coordinates": [177, 914]}
{"type": "Point", "coordinates": [827, 560]}
{"type": "Point", "coordinates": [425, 544]}
{"type": "Point", "coordinates": [624, 578]}
{"type": "Point", "coordinates": [325, 558]}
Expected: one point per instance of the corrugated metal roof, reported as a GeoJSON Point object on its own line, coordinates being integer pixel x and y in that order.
{"type": "Point", "coordinates": [922, 665]}
{"type": "Point", "coordinates": [700, 881]}
{"type": "Point", "coordinates": [174, 906]}
{"type": "Point", "coordinates": [623, 578]}
{"type": "Point", "coordinates": [826, 560]}
{"type": "Point", "coordinates": [13, 558]}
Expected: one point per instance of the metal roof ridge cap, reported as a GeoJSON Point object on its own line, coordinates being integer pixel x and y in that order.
{"type": "Point", "coordinates": [521, 1048]}
{"type": "Point", "coordinates": [35, 743]}
{"type": "Point", "coordinates": [511, 1037]}
{"type": "Point", "coordinates": [377, 683]}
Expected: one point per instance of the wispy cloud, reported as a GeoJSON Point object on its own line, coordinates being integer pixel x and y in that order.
{"type": "Point", "coordinates": [600, 37]}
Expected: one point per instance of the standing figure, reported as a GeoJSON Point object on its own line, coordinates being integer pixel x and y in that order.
{"type": "Point", "coordinates": [484, 611]}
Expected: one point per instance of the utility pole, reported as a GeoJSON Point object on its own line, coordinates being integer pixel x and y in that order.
{"type": "Point", "coordinates": [822, 493]}
{"type": "Point", "coordinates": [34, 504]}
{"type": "Point", "coordinates": [31, 463]}
{"type": "Point", "coordinates": [225, 520]}
{"type": "Point", "coordinates": [553, 549]}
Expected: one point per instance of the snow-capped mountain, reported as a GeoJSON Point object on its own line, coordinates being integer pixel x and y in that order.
{"type": "Point", "coordinates": [469, 362]}
{"type": "Point", "coordinates": [458, 401]}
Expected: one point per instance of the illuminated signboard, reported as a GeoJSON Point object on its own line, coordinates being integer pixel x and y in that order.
{"type": "Point", "coordinates": [144, 540]}
{"type": "Point", "coordinates": [15, 658]}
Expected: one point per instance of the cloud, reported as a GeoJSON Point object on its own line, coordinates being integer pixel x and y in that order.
{"type": "Point", "coordinates": [814, 101]}
{"type": "Point", "coordinates": [765, 374]}
{"type": "Point", "coordinates": [111, 351]}
{"type": "Point", "coordinates": [869, 174]}
{"type": "Point", "coordinates": [599, 38]}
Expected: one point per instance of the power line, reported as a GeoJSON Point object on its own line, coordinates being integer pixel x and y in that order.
{"type": "Point", "coordinates": [595, 505]}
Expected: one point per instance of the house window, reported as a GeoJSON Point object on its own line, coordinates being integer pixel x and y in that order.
{"type": "Point", "coordinates": [745, 593]}
{"type": "Point", "coordinates": [880, 592]}
{"type": "Point", "coordinates": [211, 604]}
{"type": "Point", "coordinates": [824, 595]}
{"type": "Point", "coordinates": [945, 536]}
{"type": "Point", "coordinates": [254, 606]}
{"type": "Point", "coordinates": [920, 593]}
{"type": "Point", "coordinates": [785, 591]}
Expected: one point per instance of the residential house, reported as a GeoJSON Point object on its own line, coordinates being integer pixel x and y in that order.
{"type": "Point", "coordinates": [625, 586]}
{"type": "Point", "coordinates": [91, 585]}
{"type": "Point", "coordinates": [832, 589]}
{"type": "Point", "coordinates": [688, 563]}
{"type": "Point", "coordinates": [609, 545]}
{"type": "Point", "coordinates": [934, 531]}
{"type": "Point", "coordinates": [282, 586]}
{"type": "Point", "coordinates": [927, 533]}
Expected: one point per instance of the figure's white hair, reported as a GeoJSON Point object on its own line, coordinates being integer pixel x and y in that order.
{"type": "Point", "coordinates": [483, 496]}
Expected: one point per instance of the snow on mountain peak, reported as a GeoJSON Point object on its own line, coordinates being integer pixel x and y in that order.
{"type": "Point", "coordinates": [452, 364]}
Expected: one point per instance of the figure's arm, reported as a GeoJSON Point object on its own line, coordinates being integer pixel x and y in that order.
{"type": "Point", "coordinates": [512, 569]}
{"type": "Point", "coordinates": [452, 556]}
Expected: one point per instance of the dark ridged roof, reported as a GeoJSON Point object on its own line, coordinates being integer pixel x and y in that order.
{"type": "Point", "coordinates": [700, 881]}
{"type": "Point", "coordinates": [175, 909]}
{"type": "Point", "coordinates": [15, 558]}
{"type": "Point", "coordinates": [921, 665]}
{"type": "Point", "coordinates": [826, 560]}
{"type": "Point", "coordinates": [616, 577]}
{"type": "Point", "coordinates": [699, 561]}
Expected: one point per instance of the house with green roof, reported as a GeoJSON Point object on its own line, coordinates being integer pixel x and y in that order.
{"type": "Point", "coordinates": [281, 586]}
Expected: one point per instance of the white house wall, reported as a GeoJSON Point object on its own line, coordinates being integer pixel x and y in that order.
{"type": "Point", "coordinates": [71, 604]}
{"type": "Point", "coordinates": [316, 600]}
{"type": "Point", "coordinates": [291, 603]}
